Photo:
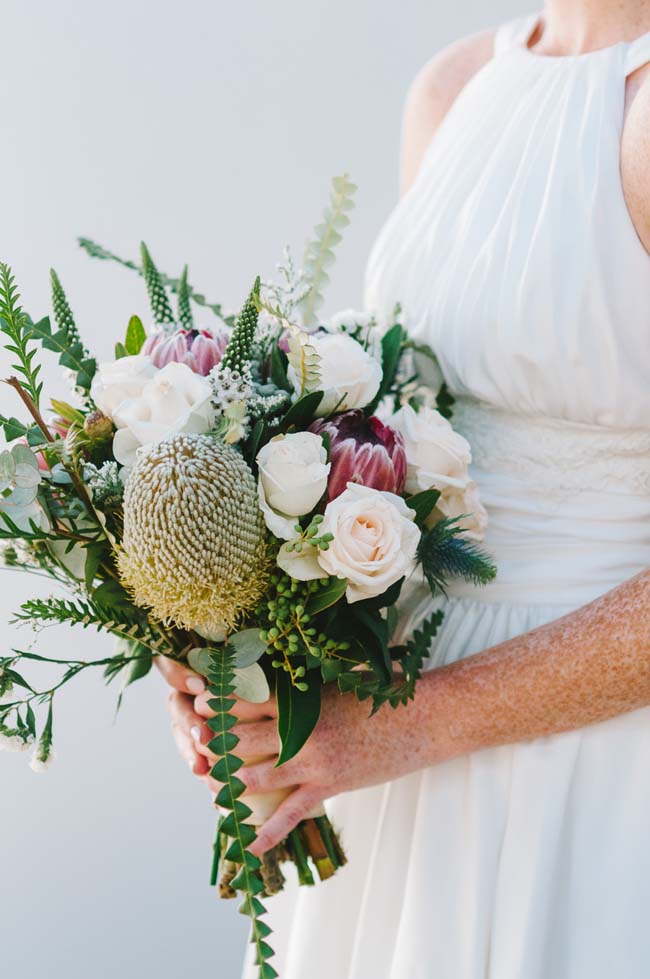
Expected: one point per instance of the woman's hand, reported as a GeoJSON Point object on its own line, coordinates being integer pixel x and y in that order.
{"type": "Point", "coordinates": [347, 750]}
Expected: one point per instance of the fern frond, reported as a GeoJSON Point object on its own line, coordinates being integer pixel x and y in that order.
{"type": "Point", "coordinates": [444, 553]}
{"type": "Point", "coordinates": [16, 326]}
{"type": "Point", "coordinates": [319, 254]}
{"type": "Point", "coordinates": [237, 353]}
{"type": "Point", "coordinates": [417, 650]}
{"type": "Point", "coordinates": [160, 308]}
{"type": "Point", "coordinates": [185, 317]}
{"type": "Point", "coordinates": [87, 613]}
{"type": "Point", "coordinates": [103, 254]}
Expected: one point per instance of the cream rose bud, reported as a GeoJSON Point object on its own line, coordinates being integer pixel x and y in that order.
{"type": "Point", "coordinates": [173, 400]}
{"type": "Point", "coordinates": [437, 457]}
{"type": "Point", "coordinates": [349, 375]}
{"type": "Point", "coordinates": [293, 471]}
{"type": "Point", "coordinates": [375, 540]}
{"type": "Point", "coordinates": [465, 504]}
{"type": "Point", "coordinates": [117, 380]}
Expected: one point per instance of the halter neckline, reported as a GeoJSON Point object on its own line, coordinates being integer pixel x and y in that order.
{"type": "Point", "coordinates": [638, 49]}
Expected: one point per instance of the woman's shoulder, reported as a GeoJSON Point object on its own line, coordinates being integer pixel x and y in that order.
{"type": "Point", "coordinates": [433, 91]}
{"type": "Point", "coordinates": [635, 152]}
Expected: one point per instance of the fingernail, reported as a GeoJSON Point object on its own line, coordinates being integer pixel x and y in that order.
{"type": "Point", "coordinates": [195, 684]}
{"type": "Point", "coordinates": [195, 732]}
{"type": "Point", "coordinates": [191, 762]}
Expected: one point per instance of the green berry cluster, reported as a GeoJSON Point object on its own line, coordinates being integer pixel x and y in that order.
{"type": "Point", "coordinates": [289, 630]}
{"type": "Point", "coordinates": [311, 536]}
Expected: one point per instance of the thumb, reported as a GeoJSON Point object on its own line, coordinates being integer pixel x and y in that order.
{"type": "Point", "coordinates": [286, 817]}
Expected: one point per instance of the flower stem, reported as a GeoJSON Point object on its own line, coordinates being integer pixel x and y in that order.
{"type": "Point", "coordinates": [305, 875]}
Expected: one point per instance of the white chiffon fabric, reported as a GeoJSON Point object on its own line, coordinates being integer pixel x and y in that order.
{"type": "Point", "coordinates": [515, 257]}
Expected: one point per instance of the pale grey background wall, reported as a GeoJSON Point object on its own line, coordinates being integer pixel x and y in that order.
{"type": "Point", "coordinates": [212, 131]}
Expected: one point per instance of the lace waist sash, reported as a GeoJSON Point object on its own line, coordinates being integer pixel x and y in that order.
{"type": "Point", "coordinates": [568, 504]}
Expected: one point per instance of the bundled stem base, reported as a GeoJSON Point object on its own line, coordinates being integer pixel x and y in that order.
{"type": "Point", "coordinates": [313, 847]}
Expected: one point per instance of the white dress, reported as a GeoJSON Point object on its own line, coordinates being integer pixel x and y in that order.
{"type": "Point", "coordinates": [514, 256]}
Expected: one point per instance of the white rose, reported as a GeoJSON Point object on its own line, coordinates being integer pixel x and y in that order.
{"type": "Point", "coordinates": [375, 540]}
{"type": "Point", "coordinates": [293, 471]}
{"type": "Point", "coordinates": [349, 375]}
{"type": "Point", "coordinates": [173, 400]}
{"type": "Point", "coordinates": [118, 380]}
{"type": "Point", "coordinates": [437, 457]}
{"type": "Point", "coordinates": [465, 503]}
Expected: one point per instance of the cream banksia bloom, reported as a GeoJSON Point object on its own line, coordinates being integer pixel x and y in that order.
{"type": "Point", "coordinates": [193, 549]}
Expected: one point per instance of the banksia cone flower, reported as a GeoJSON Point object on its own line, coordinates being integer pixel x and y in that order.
{"type": "Point", "coordinates": [199, 349]}
{"type": "Point", "coordinates": [160, 308]}
{"type": "Point", "coordinates": [193, 549]}
{"type": "Point", "coordinates": [363, 450]}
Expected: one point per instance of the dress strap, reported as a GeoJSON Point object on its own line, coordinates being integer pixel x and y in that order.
{"type": "Point", "coordinates": [514, 33]}
{"type": "Point", "coordinates": [637, 54]}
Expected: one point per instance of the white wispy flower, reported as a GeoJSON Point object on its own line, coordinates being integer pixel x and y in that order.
{"type": "Point", "coordinates": [14, 742]}
{"type": "Point", "coordinates": [40, 764]}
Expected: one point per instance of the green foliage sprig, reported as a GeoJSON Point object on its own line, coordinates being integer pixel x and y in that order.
{"type": "Point", "coordinates": [65, 341]}
{"type": "Point", "coordinates": [185, 317]}
{"type": "Point", "coordinates": [237, 353]}
{"type": "Point", "coordinates": [98, 251]}
{"type": "Point", "coordinates": [160, 307]}
{"type": "Point", "coordinates": [248, 879]}
{"type": "Point", "coordinates": [319, 254]}
{"type": "Point", "coordinates": [16, 326]}
{"type": "Point", "coordinates": [121, 620]}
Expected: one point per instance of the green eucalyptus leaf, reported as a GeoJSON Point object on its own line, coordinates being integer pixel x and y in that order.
{"type": "Point", "coordinates": [200, 660]}
{"type": "Point", "coordinates": [251, 684]}
{"type": "Point", "coordinates": [248, 647]}
{"type": "Point", "coordinates": [13, 429]}
{"type": "Point", "coordinates": [7, 469]}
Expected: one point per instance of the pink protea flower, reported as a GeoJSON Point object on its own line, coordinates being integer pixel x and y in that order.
{"type": "Point", "coordinates": [363, 450]}
{"type": "Point", "coordinates": [201, 350]}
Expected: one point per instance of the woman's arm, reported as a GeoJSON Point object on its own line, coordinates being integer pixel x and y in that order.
{"type": "Point", "coordinates": [586, 667]}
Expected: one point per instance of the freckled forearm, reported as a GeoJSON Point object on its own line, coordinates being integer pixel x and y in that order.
{"type": "Point", "coordinates": [586, 667]}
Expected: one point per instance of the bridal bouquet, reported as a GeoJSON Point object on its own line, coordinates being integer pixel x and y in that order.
{"type": "Point", "coordinates": [249, 498]}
